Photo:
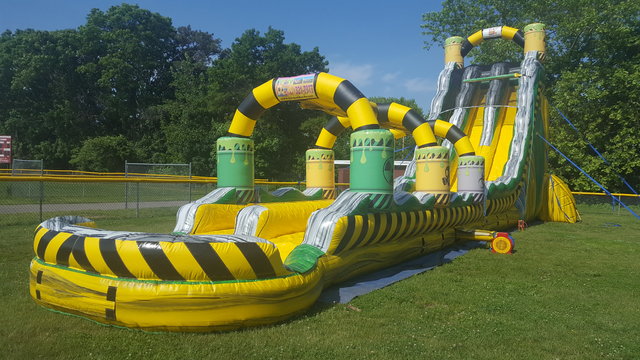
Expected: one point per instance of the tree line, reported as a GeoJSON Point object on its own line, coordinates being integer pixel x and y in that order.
{"type": "Point", "coordinates": [128, 85]}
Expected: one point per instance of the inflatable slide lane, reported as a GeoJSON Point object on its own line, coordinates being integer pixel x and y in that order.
{"type": "Point", "coordinates": [242, 257]}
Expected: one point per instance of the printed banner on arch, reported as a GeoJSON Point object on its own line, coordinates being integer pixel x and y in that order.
{"type": "Point", "coordinates": [294, 88]}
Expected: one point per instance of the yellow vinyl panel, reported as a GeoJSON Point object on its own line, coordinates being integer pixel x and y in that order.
{"type": "Point", "coordinates": [265, 96]}
{"type": "Point", "coordinates": [489, 152]}
{"type": "Point", "coordinates": [185, 264]}
{"type": "Point", "coordinates": [128, 251]}
{"type": "Point", "coordinates": [216, 219]}
{"type": "Point", "coordinates": [286, 243]}
{"type": "Point", "coordinates": [242, 124]}
{"type": "Point", "coordinates": [508, 32]}
{"type": "Point", "coordinates": [286, 217]}
{"type": "Point", "coordinates": [92, 250]}
{"type": "Point", "coordinates": [476, 38]}
{"type": "Point", "coordinates": [361, 114]}
{"type": "Point", "coordinates": [505, 134]}
{"type": "Point", "coordinates": [326, 139]}
{"type": "Point", "coordinates": [53, 246]}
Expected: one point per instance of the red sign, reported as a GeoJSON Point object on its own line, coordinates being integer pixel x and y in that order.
{"type": "Point", "coordinates": [5, 149]}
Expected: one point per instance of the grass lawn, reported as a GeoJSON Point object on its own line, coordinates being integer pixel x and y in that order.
{"type": "Point", "coordinates": [569, 292]}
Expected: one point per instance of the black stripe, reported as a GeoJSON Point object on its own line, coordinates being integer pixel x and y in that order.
{"type": "Point", "coordinates": [334, 126]}
{"type": "Point", "coordinates": [518, 38]}
{"type": "Point", "coordinates": [250, 107]}
{"type": "Point", "coordinates": [427, 145]}
{"type": "Point", "coordinates": [449, 214]}
{"type": "Point", "coordinates": [315, 85]}
{"type": "Point", "coordinates": [437, 213]}
{"type": "Point", "coordinates": [418, 223]}
{"type": "Point", "coordinates": [455, 216]}
{"type": "Point", "coordinates": [346, 94]}
{"type": "Point", "coordinates": [38, 294]}
{"type": "Point", "coordinates": [209, 261]}
{"type": "Point", "coordinates": [62, 257]}
{"type": "Point", "coordinates": [427, 222]}
{"type": "Point", "coordinates": [387, 229]}
{"type": "Point", "coordinates": [320, 147]}
{"type": "Point", "coordinates": [399, 225]}
{"type": "Point", "coordinates": [110, 314]}
{"type": "Point", "coordinates": [80, 255]}
{"type": "Point", "coordinates": [383, 113]}
{"type": "Point", "coordinates": [466, 47]}
{"type": "Point", "coordinates": [39, 277]}
{"type": "Point", "coordinates": [376, 227]}
{"type": "Point", "coordinates": [38, 229]}
{"type": "Point", "coordinates": [412, 120]}
{"type": "Point", "coordinates": [363, 232]}
{"type": "Point", "coordinates": [348, 233]}
{"type": "Point", "coordinates": [367, 127]}
{"type": "Point", "coordinates": [237, 135]}
{"type": "Point", "coordinates": [112, 258]}
{"type": "Point", "coordinates": [44, 242]}
{"type": "Point", "coordinates": [257, 259]}
{"type": "Point", "coordinates": [407, 224]}
{"type": "Point", "coordinates": [111, 293]}
{"type": "Point", "coordinates": [158, 261]}
{"type": "Point", "coordinates": [454, 134]}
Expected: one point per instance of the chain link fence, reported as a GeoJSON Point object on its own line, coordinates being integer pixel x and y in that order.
{"type": "Point", "coordinates": [602, 203]}
{"type": "Point", "coordinates": [31, 199]}
{"type": "Point", "coordinates": [30, 202]}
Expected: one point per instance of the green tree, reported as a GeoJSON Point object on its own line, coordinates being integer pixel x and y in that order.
{"type": "Point", "coordinates": [127, 53]}
{"type": "Point", "coordinates": [106, 78]}
{"type": "Point", "coordinates": [205, 104]}
{"type": "Point", "coordinates": [37, 92]}
{"type": "Point", "coordinates": [104, 153]}
{"type": "Point", "coordinates": [592, 71]}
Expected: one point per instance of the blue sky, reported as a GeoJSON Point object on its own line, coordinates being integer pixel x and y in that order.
{"type": "Point", "coordinates": [377, 45]}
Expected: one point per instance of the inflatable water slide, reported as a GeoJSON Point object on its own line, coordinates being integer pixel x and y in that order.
{"type": "Point", "coordinates": [241, 256]}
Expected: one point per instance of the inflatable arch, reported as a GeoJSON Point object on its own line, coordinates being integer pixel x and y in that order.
{"type": "Point", "coordinates": [457, 47]}
{"type": "Point", "coordinates": [317, 91]}
{"type": "Point", "coordinates": [402, 119]}
{"type": "Point", "coordinates": [320, 91]}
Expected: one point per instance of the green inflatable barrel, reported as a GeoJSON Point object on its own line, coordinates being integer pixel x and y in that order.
{"type": "Point", "coordinates": [372, 161]}
{"type": "Point", "coordinates": [235, 163]}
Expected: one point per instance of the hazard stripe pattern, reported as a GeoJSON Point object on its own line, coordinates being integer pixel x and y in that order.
{"type": "Point", "coordinates": [212, 261]}
{"type": "Point", "coordinates": [379, 228]}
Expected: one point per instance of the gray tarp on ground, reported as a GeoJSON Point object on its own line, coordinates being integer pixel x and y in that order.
{"type": "Point", "coordinates": [364, 284]}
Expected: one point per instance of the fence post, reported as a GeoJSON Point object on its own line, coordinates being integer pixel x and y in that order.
{"type": "Point", "coordinates": [189, 182]}
{"type": "Point", "coordinates": [137, 199]}
{"type": "Point", "coordinates": [41, 198]}
{"type": "Point", "coordinates": [126, 187]}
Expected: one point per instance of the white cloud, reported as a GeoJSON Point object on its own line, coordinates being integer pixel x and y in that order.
{"type": "Point", "coordinates": [359, 75]}
{"type": "Point", "coordinates": [390, 77]}
{"type": "Point", "coordinates": [420, 85]}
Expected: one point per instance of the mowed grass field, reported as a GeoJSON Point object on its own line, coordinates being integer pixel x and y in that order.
{"type": "Point", "coordinates": [571, 291]}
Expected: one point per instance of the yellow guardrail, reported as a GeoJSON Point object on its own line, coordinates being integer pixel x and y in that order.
{"type": "Point", "coordinates": [602, 194]}
{"type": "Point", "coordinates": [120, 177]}
{"type": "Point", "coordinates": [91, 176]}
